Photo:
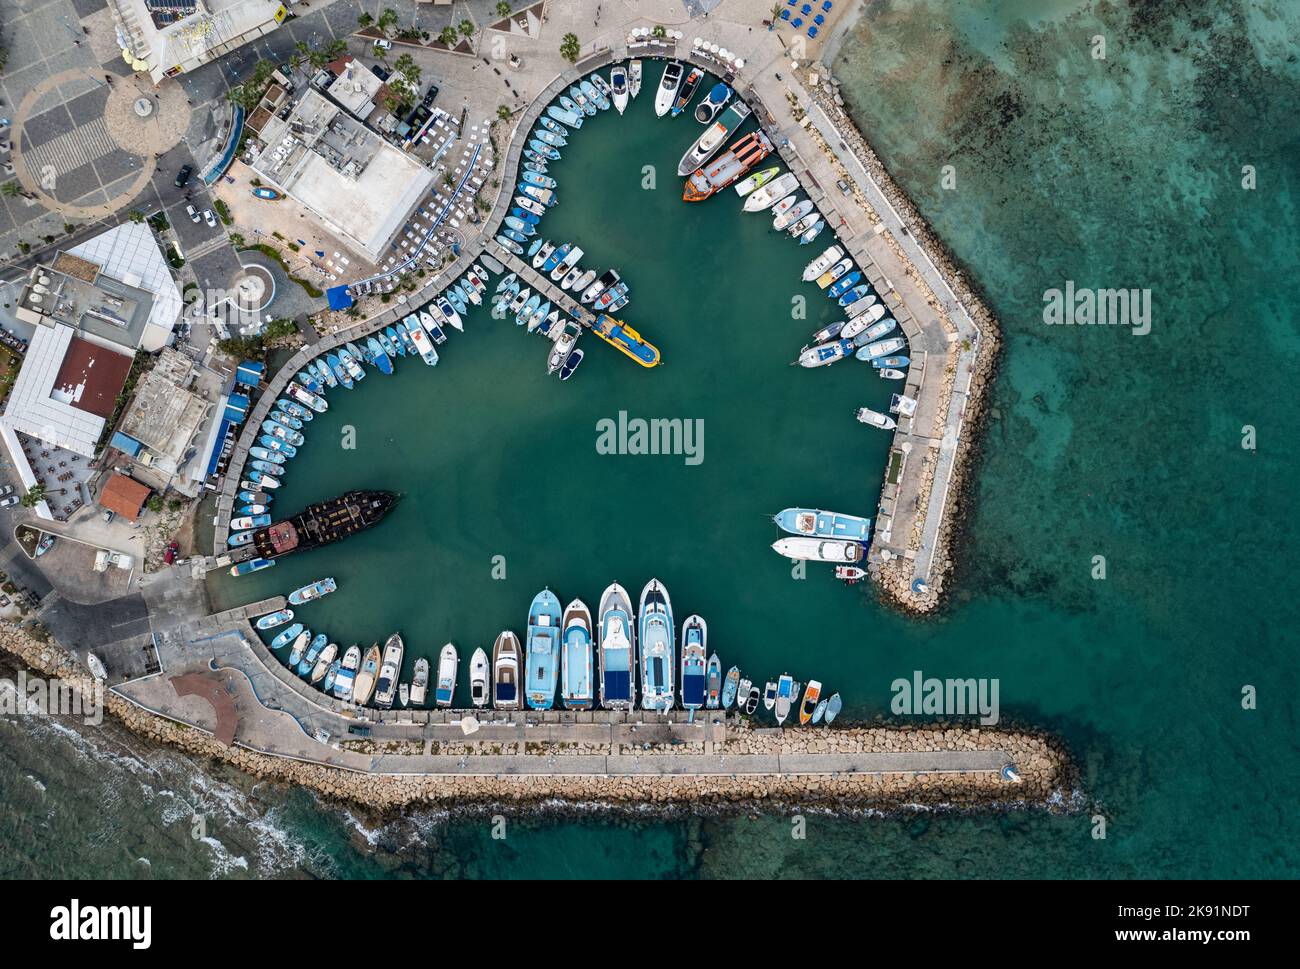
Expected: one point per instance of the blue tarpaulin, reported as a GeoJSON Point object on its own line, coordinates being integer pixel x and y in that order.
{"type": "Point", "coordinates": [236, 409]}
{"type": "Point", "coordinates": [338, 297]}
{"type": "Point", "coordinates": [216, 448]}
{"type": "Point", "coordinates": [250, 373]}
{"type": "Point", "coordinates": [126, 444]}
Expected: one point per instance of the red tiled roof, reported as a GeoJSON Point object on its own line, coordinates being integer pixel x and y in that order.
{"type": "Point", "coordinates": [124, 495]}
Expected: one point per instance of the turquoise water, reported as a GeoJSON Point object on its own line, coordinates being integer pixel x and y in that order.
{"type": "Point", "coordinates": [1123, 172]}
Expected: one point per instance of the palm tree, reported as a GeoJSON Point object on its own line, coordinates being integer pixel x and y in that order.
{"type": "Point", "coordinates": [387, 18]}
{"type": "Point", "coordinates": [504, 112]}
{"type": "Point", "coordinates": [448, 36]}
{"type": "Point", "coordinates": [35, 495]}
{"type": "Point", "coordinates": [776, 12]}
{"type": "Point", "coordinates": [569, 47]}
{"type": "Point", "coordinates": [11, 189]}
{"type": "Point", "coordinates": [503, 8]}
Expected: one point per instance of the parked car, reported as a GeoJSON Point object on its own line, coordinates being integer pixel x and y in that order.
{"type": "Point", "coordinates": [384, 44]}
{"type": "Point", "coordinates": [193, 213]}
{"type": "Point", "coordinates": [9, 502]}
{"type": "Point", "coordinates": [430, 95]}
{"type": "Point", "coordinates": [6, 491]}
{"type": "Point", "coordinates": [843, 186]}
{"type": "Point", "coordinates": [109, 516]}
{"type": "Point", "coordinates": [209, 218]}
{"type": "Point", "coordinates": [183, 175]}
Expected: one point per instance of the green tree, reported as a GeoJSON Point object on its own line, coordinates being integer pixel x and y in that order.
{"type": "Point", "coordinates": [660, 32]}
{"type": "Point", "coordinates": [154, 504]}
{"type": "Point", "coordinates": [504, 112]}
{"type": "Point", "coordinates": [11, 188]}
{"type": "Point", "coordinates": [467, 28]}
{"type": "Point", "coordinates": [503, 8]}
{"type": "Point", "coordinates": [405, 65]}
{"type": "Point", "coordinates": [35, 495]}
{"type": "Point", "coordinates": [364, 19]}
{"type": "Point", "coordinates": [569, 47]}
{"type": "Point", "coordinates": [448, 36]}
{"type": "Point", "coordinates": [387, 18]}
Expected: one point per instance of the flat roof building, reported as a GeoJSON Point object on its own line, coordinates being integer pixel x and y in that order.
{"type": "Point", "coordinates": [164, 416]}
{"type": "Point", "coordinates": [169, 37]}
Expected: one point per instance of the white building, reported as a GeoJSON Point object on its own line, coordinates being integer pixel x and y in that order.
{"type": "Point", "coordinates": [170, 37]}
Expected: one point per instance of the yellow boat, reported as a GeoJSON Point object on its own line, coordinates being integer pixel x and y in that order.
{"type": "Point", "coordinates": [621, 336]}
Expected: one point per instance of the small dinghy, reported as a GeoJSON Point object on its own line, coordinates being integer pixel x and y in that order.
{"type": "Point", "coordinates": [850, 574]}
{"type": "Point", "coordinates": [833, 706]}
{"type": "Point", "coordinates": [404, 694]}
{"type": "Point", "coordinates": [819, 712]}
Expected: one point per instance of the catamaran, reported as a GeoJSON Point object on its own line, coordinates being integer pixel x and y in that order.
{"type": "Point", "coordinates": [824, 524]}
{"type": "Point", "coordinates": [543, 651]}
{"type": "Point", "coordinates": [617, 650]}
{"type": "Point", "coordinates": [505, 671]}
{"type": "Point", "coordinates": [657, 645]}
{"type": "Point", "coordinates": [668, 85]}
{"type": "Point", "coordinates": [694, 662]}
{"type": "Point", "coordinates": [819, 549]}
{"type": "Point", "coordinates": [367, 676]}
{"type": "Point", "coordinates": [747, 152]}
{"type": "Point", "coordinates": [618, 85]}
{"type": "Point", "coordinates": [714, 135]}
{"type": "Point", "coordinates": [389, 672]}
{"type": "Point", "coordinates": [577, 683]}
{"type": "Point", "coordinates": [445, 689]}
{"type": "Point", "coordinates": [479, 673]}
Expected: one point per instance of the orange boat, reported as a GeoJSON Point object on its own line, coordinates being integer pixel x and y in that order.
{"type": "Point", "coordinates": [729, 166]}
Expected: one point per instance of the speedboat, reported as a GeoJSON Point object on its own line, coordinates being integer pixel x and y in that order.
{"type": "Point", "coordinates": [769, 695]}
{"type": "Point", "coordinates": [577, 678]}
{"type": "Point", "coordinates": [844, 284]}
{"type": "Point", "coordinates": [251, 521]}
{"type": "Point", "coordinates": [569, 260]}
{"type": "Point", "coordinates": [831, 331]}
{"type": "Point", "coordinates": [519, 302]}
{"type": "Point", "coordinates": [811, 694]}
{"type": "Point", "coordinates": [288, 636]}
{"type": "Point", "coordinates": [542, 254]}
{"type": "Point", "coordinates": [822, 263]}
{"type": "Point", "coordinates": [526, 311]}
{"type": "Point", "coordinates": [345, 677]}
{"type": "Point", "coordinates": [714, 135]}
{"type": "Point", "coordinates": [732, 687]}
{"type": "Point", "coordinates": [582, 282]}
{"type": "Point", "coordinates": [714, 687]}
{"type": "Point", "coordinates": [823, 524]}
{"type": "Point", "coordinates": [539, 314]}
{"type": "Point", "coordinates": [363, 686]}
{"type": "Point", "coordinates": [796, 229]}
{"type": "Point", "coordinates": [819, 549]}
{"type": "Point", "coordinates": [825, 353]}
{"type": "Point", "coordinates": [889, 373]}
{"type": "Point", "coordinates": [389, 672]}
{"type": "Point", "coordinates": [420, 682]}
{"type": "Point", "coordinates": [751, 700]}
{"type": "Point", "coordinates": [571, 278]}
{"type": "Point", "coordinates": [834, 273]}
{"type": "Point", "coordinates": [542, 651]}
{"type": "Point", "coordinates": [564, 345]}
{"type": "Point", "coordinates": [420, 340]}
{"type": "Point", "coordinates": [530, 205]}
{"type": "Point", "coordinates": [813, 233]}
{"type": "Point", "coordinates": [785, 697]}
{"type": "Point", "coordinates": [505, 672]}
{"type": "Point", "coordinates": [833, 707]}
{"type": "Point", "coordinates": [687, 90]}
{"type": "Point", "coordinates": [479, 674]}
{"type": "Point", "coordinates": [694, 662]}
{"type": "Point", "coordinates": [324, 662]}
{"type": "Point", "coordinates": [668, 85]}
{"type": "Point", "coordinates": [445, 689]}
{"type": "Point", "coordinates": [657, 642]}
{"type": "Point", "coordinates": [617, 649]}
{"type": "Point", "coordinates": [571, 363]}
{"type": "Point", "coordinates": [634, 78]}
{"type": "Point", "coordinates": [556, 256]}
{"type": "Point", "coordinates": [314, 590]}
{"type": "Point", "coordinates": [607, 279]}
{"type": "Point", "coordinates": [793, 214]}
{"type": "Point", "coordinates": [758, 179]}
{"type": "Point", "coordinates": [864, 330]}
{"type": "Point", "coordinates": [876, 419]}
{"type": "Point", "coordinates": [717, 99]}
{"type": "Point", "coordinates": [883, 348]}
{"type": "Point", "coordinates": [771, 193]}
{"type": "Point", "coordinates": [618, 86]}
{"type": "Point", "coordinates": [275, 619]}
{"type": "Point", "coordinates": [820, 709]}
{"type": "Point", "coordinates": [850, 574]}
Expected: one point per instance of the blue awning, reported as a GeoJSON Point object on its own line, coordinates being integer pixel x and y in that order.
{"type": "Point", "coordinates": [338, 297]}
{"type": "Point", "coordinates": [126, 444]}
{"type": "Point", "coordinates": [216, 448]}
{"type": "Point", "coordinates": [250, 373]}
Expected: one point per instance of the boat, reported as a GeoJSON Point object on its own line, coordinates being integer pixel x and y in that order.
{"type": "Point", "coordinates": [564, 345]}
{"type": "Point", "coordinates": [577, 664]}
{"type": "Point", "coordinates": [819, 549]}
{"type": "Point", "coordinates": [833, 707]}
{"type": "Point", "coordinates": [323, 371]}
{"type": "Point", "coordinates": [569, 260]}
{"type": "Point", "coordinates": [634, 78]}
{"type": "Point", "coordinates": [822, 263]}
{"type": "Point", "coordinates": [568, 118]}
{"type": "Point", "coordinates": [538, 315]}
{"type": "Point", "coordinates": [556, 256]}
{"type": "Point", "coordinates": [389, 672]}
{"type": "Point", "coordinates": [256, 497]}
{"type": "Point", "coordinates": [324, 660]}
{"type": "Point", "coordinates": [250, 521]}
{"type": "Point", "coordinates": [314, 590]}
{"type": "Point", "coordinates": [542, 647]}
{"type": "Point", "coordinates": [751, 701]}
{"type": "Point", "coordinates": [444, 690]}
{"type": "Point", "coordinates": [834, 273]}
{"type": "Point", "coordinates": [331, 675]}
{"type": "Point", "coordinates": [530, 205]}
{"type": "Point", "coordinates": [479, 674]}
{"type": "Point", "coordinates": [687, 91]}
{"type": "Point", "coordinates": [771, 193]}
{"type": "Point", "coordinates": [612, 298]}
{"type": "Point", "coordinates": [267, 194]}
{"type": "Point", "coordinates": [392, 348]}
{"type": "Point", "coordinates": [829, 332]}
{"type": "Point", "coordinates": [491, 265]}
{"type": "Point", "coordinates": [568, 104]}
{"type": "Point", "coordinates": [825, 353]}
{"type": "Point", "coordinates": [820, 710]}
{"type": "Point", "coordinates": [746, 152]}
{"type": "Point", "coordinates": [542, 150]}
{"type": "Point", "coordinates": [795, 229]}
{"type": "Point", "coordinates": [351, 364]}
{"type": "Point", "coordinates": [506, 286]}
{"type": "Point", "coordinates": [324, 522]}
{"type": "Point", "coordinates": [812, 233]}
{"type": "Point", "coordinates": [592, 88]}
{"type": "Point", "coordinates": [715, 682]}
{"type": "Point", "coordinates": [274, 619]}
{"type": "Point", "coordinates": [267, 467]}
{"type": "Point", "coordinates": [769, 695]}
{"type": "Point", "coordinates": [308, 379]}
{"type": "Point", "coordinates": [262, 479]}
{"type": "Point", "coordinates": [694, 662]}
{"type": "Point", "coordinates": [889, 373]}
{"type": "Point", "coordinates": [520, 301]}
{"type": "Point", "coordinates": [876, 419]}
{"type": "Point", "coordinates": [252, 565]}
{"type": "Point", "coordinates": [668, 85]}
{"type": "Point", "coordinates": [239, 539]}
{"type": "Point", "coordinates": [300, 644]}
{"type": "Point", "coordinates": [657, 642]}
{"type": "Point", "coordinates": [785, 695]}
{"type": "Point", "coordinates": [307, 398]}
{"type": "Point", "coordinates": [618, 87]}
{"type": "Point", "coordinates": [756, 180]}
{"type": "Point", "coordinates": [521, 227]}
{"type": "Point", "coordinates": [288, 636]}
{"type": "Point", "coordinates": [732, 687]}
{"type": "Point", "coordinates": [505, 671]}
{"type": "Point", "coordinates": [538, 179]}
{"type": "Point", "coordinates": [811, 694]}
{"type": "Point", "coordinates": [420, 340]}
{"type": "Point", "coordinates": [823, 524]}
{"type": "Point", "coordinates": [711, 140]}
{"type": "Point", "coordinates": [862, 329]}
{"type": "Point", "coordinates": [571, 277]}
{"type": "Point", "coordinates": [716, 100]}
{"type": "Point", "coordinates": [308, 662]}
{"type": "Point", "coordinates": [543, 253]}
{"type": "Point", "coordinates": [883, 348]}
{"type": "Point", "coordinates": [525, 312]}
{"type": "Point", "coordinates": [603, 282]}
{"type": "Point", "coordinates": [475, 288]}
{"type": "Point", "coordinates": [570, 364]}
{"type": "Point", "coordinates": [617, 649]}
{"type": "Point", "coordinates": [584, 103]}
{"type": "Point", "coordinates": [548, 137]}
{"type": "Point", "coordinates": [345, 678]}
{"type": "Point", "coordinates": [403, 694]}
{"type": "Point", "coordinates": [363, 687]}
{"type": "Point", "coordinates": [400, 339]}
{"type": "Point", "coordinates": [431, 327]}
{"type": "Point", "coordinates": [340, 372]}
{"type": "Point", "coordinates": [582, 282]}
{"type": "Point", "coordinates": [892, 363]}
{"type": "Point", "coordinates": [420, 682]}
{"type": "Point", "coordinates": [850, 574]}
{"type": "Point", "coordinates": [793, 214]}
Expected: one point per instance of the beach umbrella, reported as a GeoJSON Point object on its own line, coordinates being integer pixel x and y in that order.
{"type": "Point", "coordinates": [469, 725]}
{"type": "Point", "coordinates": [739, 63]}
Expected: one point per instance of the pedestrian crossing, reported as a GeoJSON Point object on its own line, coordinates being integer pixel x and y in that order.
{"type": "Point", "coordinates": [71, 150]}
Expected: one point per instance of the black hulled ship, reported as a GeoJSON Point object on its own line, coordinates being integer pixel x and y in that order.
{"type": "Point", "coordinates": [323, 522]}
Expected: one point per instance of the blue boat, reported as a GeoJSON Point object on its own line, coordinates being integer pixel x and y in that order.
{"type": "Point", "coordinates": [251, 510]}
{"type": "Point", "coordinates": [308, 661]}
{"type": "Point", "coordinates": [265, 454]}
{"type": "Point", "coordinates": [729, 687]}
{"type": "Point", "coordinates": [892, 363]}
{"type": "Point", "coordinates": [288, 636]}
{"type": "Point", "coordinates": [824, 524]}
{"type": "Point", "coordinates": [537, 178]}
{"type": "Point", "coordinates": [617, 650]}
{"type": "Point", "coordinates": [717, 99]}
{"type": "Point", "coordinates": [515, 236]}
{"type": "Point", "coordinates": [535, 164]}
{"type": "Point", "coordinates": [377, 354]}
{"type": "Point", "coordinates": [528, 218]}
{"type": "Point", "coordinates": [714, 686]}
{"type": "Point", "coordinates": [260, 480]}
{"type": "Point", "coordinates": [271, 620]}
{"type": "Point", "coordinates": [825, 353]}
{"type": "Point", "coordinates": [812, 233]}
{"type": "Point", "coordinates": [278, 430]}
{"type": "Point", "coordinates": [577, 667]}
{"type": "Point", "coordinates": [351, 363]}
{"type": "Point", "coordinates": [275, 444]}
{"type": "Point", "coordinates": [312, 591]}
{"type": "Point", "coordinates": [267, 467]}
{"type": "Point", "coordinates": [294, 409]}
{"type": "Point", "coordinates": [550, 124]}
{"type": "Point", "coordinates": [528, 309]}
{"type": "Point", "coordinates": [658, 685]}
{"type": "Point", "coordinates": [542, 651]}
{"type": "Point", "coordinates": [510, 244]}
{"type": "Point", "coordinates": [568, 104]}
{"type": "Point", "coordinates": [556, 257]}
{"type": "Point", "coordinates": [524, 229]}
{"type": "Point", "coordinates": [308, 380]}
{"type": "Point", "coordinates": [288, 420]}
{"type": "Point", "coordinates": [585, 103]}
{"type": "Point", "coordinates": [252, 565]}
{"type": "Point", "coordinates": [593, 95]}
{"type": "Point", "coordinates": [547, 137]}
{"type": "Point", "coordinates": [300, 646]}
{"type": "Point", "coordinates": [854, 294]}
{"type": "Point", "coordinates": [323, 372]}
{"type": "Point", "coordinates": [392, 346]}
{"type": "Point", "coordinates": [542, 150]}
{"type": "Point", "coordinates": [543, 196]}
{"type": "Point", "coordinates": [842, 286]}
{"type": "Point", "coordinates": [570, 119]}
{"type": "Point", "coordinates": [340, 372]}
{"type": "Point", "coordinates": [694, 652]}
{"type": "Point", "coordinates": [331, 675]}
{"type": "Point", "coordinates": [255, 497]}
{"type": "Point", "coordinates": [239, 539]}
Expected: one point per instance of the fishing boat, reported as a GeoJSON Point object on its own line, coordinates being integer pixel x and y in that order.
{"type": "Point", "coordinates": [657, 643]}
{"type": "Point", "coordinates": [265, 454]}
{"type": "Point", "coordinates": [864, 330]}
{"type": "Point", "coordinates": [568, 104]}
{"type": "Point", "coordinates": [687, 91]}
{"type": "Point", "coordinates": [834, 273]}
{"type": "Point", "coordinates": [275, 619]}
{"type": "Point", "coordinates": [509, 244]}
{"type": "Point", "coordinates": [239, 539]}
{"type": "Point", "coordinates": [308, 661]}
{"type": "Point", "coordinates": [363, 687]}
{"type": "Point", "coordinates": [612, 298]}
{"type": "Point", "coordinates": [340, 372]}
{"type": "Point", "coordinates": [420, 340]}
{"type": "Point", "coordinates": [491, 265]}
{"type": "Point", "coordinates": [543, 150]}
{"type": "Point", "coordinates": [565, 117]}
{"type": "Point", "coordinates": [850, 574]}
{"type": "Point", "coordinates": [548, 137]}
{"type": "Point", "coordinates": [505, 672]}
{"type": "Point", "coordinates": [825, 353]}
{"type": "Point", "coordinates": [819, 549]}
{"type": "Point", "coordinates": [823, 524]}
{"type": "Point", "coordinates": [591, 87]}
{"type": "Point", "coordinates": [785, 697]}
{"type": "Point", "coordinates": [769, 695]}
{"type": "Point", "coordinates": [267, 467]}
{"type": "Point", "coordinates": [668, 85]}
{"type": "Point", "coordinates": [812, 233]}
{"type": "Point", "coordinates": [520, 300]}
{"type": "Point", "coordinates": [393, 348]}
{"type": "Point", "coordinates": [883, 348]}
{"type": "Point", "coordinates": [389, 672]}
{"type": "Point", "coordinates": [420, 682]}
{"type": "Point", "coordinates": [314, 590]}
{"type": "Point", "coordinates": [557, 255]}
{"type": "Point", "coordinates": [618, 86]}
{"type": "Point", "coordinates": [811, 694]}
{"type": "Point", "coordinates": [526, 311]}
{"type": "Point", "coordinates": [351, 364]}
{"type": "Point", "coordinates": [542, 254]}
{"type": "Point", "coordinates": [833, 707]}
{"type": "Point", "coordinates": [891, 363]}
{"type": "Point", "coordinates": [577, 664]}
{"type": "Point", "coordinates": [530, 205]}
{"type": "Point", "coordinates": [288, 636]}
{"type": "Point", "coordinates": [565, 264]}
{"type": "Point", "coordinates": [258, 479]}
{"type": "Point", "coordinates": [444, 690]}
{"type": "Point", "coordinates": [793, 214]}
{"type": "Point", "coordinates": [479, 674]}
{"type": "Point", "coordinates": [732, 687]}
{"type": "Point", "coordinates": [476, 287]}
{"type": "Point", "coordinates": [756, 180]}
{"type": "Point", "coordinates": [822, 263]}
{"type": "Point", "coordinates": [308, 379]}
{"type": "Point", "coordinates": [585, 104]}
{"type": "Point", "coordinates": [711, 140]}
{"type": "Point", "coordinates": [542, 181]}
{"type": "Point", "coordinates": [570, 364]}
{"type": "Point", "coordinates": [331, 674]}
{"type": "Point", "coordinates": [250, 521]}
{"type": "Point", "coordinates": [716, 100]}
{"type": "Point", "coordinates": [617, 649]}
{"type": "Point", "coordinates": [257, 497]}
{"type": "Point", "coordinates": [539, 314]}
{"type": "Point", "coordinates": [307, 398]}
{"type": "Point", "coordinates": [876, 419]}
{"type": "Point", "coordinates": [345, 678]}
{"type": "Point", "coordinates": [694, 662]}
{"type": "Point", "coordinates": [324, 661]}
{"type": "Point", "coordinates": [889, 373]}
{"type": "Point", "coordinates": [714, 688]}
{"type": "Point", "coordinates": [542, 651]}
{"type": "Point", "coordinates": [603, 282]}
{"type": "Point", "coordinates": [299, 648]}
{"type": "Point", "coordinates": [774, 191]}
{"type": "Point", "coordinates": [323, 371]}
{"type": "Point", "coordinates": [634, 78]}
{"type": "Point", "coordinates": [564, 345]}
{"type": "Point", "coordinates": [746, 152]}
{"type": "Point", "coordinates": [820, 710]}
{"type": "Point", "coordinates": [844, 284]}
{"type": "Point", "coordinates": [751, 700]}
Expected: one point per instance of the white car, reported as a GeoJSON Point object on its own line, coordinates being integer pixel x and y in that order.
{"type": "Point", "coordinates": [6, 491]}
{"type": "Point", "coordinates": [9, 502]}
{"type": "Point", "coordinates": [209, 218]}
{"type": "Point", "coordinates": [192, 213]}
